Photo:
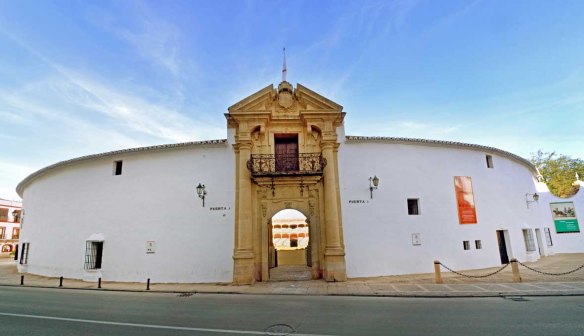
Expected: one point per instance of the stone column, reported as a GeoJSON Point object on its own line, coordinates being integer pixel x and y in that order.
{"type": "Point", "coordinates": [243, 256]}
{"type": "Point", "coordinates": [334, 255]}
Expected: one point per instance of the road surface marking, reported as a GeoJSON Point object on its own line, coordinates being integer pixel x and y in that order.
{"type": "Point", "coordinates": [153, 326]}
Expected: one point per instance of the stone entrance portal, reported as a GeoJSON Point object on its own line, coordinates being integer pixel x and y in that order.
{"type": "Point", "coordinates": [286, 158]}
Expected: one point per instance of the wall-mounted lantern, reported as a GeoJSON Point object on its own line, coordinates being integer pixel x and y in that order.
{"type": "Point", "coordinates": [202, 191]}
{"type": "Point", "coordinates": [534, 198]}
{"type": "Point", "coordinates": [373, 184]}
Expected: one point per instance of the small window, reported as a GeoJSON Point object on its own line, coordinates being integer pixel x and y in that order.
{"type": "Point", "coordinates": [466, 245]}
{"type": "Point", "coordinates": [93, 254]}
{"type": "Point", "coordinates": [528, 238]}
{"type": "Point", "coordinates": [478, 244]}
{"type": "Point", "coordinates": [118, 167]}
{"type": "Point", "coordinates": [3, 215]}
{"type": "Point", "coordinates": [413, 208]}
{"type": "Point", "coordinates": [2, 232]}
{"type": "Point", "coordinates": [24, 253]}
{"type": "Point", "coordinates": [293, 242]}
{"type": "Point", "coordinates": [490, 161]}
{"type": "Point", "coordinates": [548, 237]}
{"type": "Point", "coordinates": [15, 233]}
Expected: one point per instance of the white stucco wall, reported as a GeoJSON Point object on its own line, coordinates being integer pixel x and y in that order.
{"type": "Point", "coordinates": [572, 242]}
{"type": "Point", "coordinates": [153, 199]}
{"type": "Point", "coordinates": [378, 233]}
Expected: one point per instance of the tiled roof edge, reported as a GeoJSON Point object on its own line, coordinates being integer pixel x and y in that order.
{"type": "Point", "coordinates": [415, 141]}
{"type": "Point", "coordinates": [38, 173]}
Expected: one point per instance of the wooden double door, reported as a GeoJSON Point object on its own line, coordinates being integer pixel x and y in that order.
{"type": "Point", "coordinates": [286, 153]}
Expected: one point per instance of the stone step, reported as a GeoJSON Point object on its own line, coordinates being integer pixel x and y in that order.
{"type": "Point", "coordinates": [290, 273]}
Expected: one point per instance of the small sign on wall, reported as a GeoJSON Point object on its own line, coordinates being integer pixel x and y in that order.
{"type": "Point", "coordinates": [564, 214]}
{"type": "Point", "coordinates": [416, 239]}
{"type": "Point", "coordinates": [150, 246]}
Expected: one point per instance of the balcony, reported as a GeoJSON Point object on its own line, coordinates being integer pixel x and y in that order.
{"type": "Point", "coordinates": [285, 165]}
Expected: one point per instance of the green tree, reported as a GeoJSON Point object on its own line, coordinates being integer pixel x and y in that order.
{"type": "Point", "coordinates": [558, 171]}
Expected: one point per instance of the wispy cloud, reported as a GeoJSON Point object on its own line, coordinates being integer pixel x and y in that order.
{"type": "Point", "coordinates": [127, 109]}
{"type": "Point", "coordinates": [153, 38]}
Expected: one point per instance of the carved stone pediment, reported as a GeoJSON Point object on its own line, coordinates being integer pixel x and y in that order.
{"type": "Point", "coordinates": [284, 100]}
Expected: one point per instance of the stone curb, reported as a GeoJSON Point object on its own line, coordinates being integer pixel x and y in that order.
{"type": "Point", "coordinates": [393, 295]}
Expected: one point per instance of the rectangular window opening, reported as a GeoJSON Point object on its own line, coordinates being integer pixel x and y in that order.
{"type": "Point", "coordinates": [2, 232]}
{"type": "Point", "coordinates": [3, 215]}
{"type": "Point", "coordinates": [528, 238]}
{"type": "Point", "coordinates": [118, 167]}
{"type": "Point", "coordinates": [478, 244]}
{"type": "Point", "coordinates": [548, 237]}
{"type": "Point", "coordinates": [93, 255]}
{"type": "Point", "coordinates": [15, 233]}
{"type": "Point", "coordinates": [466, 245]}
{"type": "Point", "coordinates": [413, 206]}
{"type": "Point", "coordinates": [24, 253]}
{"type": "Point", "coordinates": [490, 161]}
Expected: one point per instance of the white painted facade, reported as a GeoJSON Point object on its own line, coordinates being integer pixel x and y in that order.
{"type": "Point", "coordinates": [378, 233]}
{"type": "Point", "coordinates": [563, 242]}
{"type": "Point", "coordinates": [154, 202]}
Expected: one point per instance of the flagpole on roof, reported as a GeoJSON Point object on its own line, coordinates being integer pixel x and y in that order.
{"type": "Point", "coordinates": [284, 67]}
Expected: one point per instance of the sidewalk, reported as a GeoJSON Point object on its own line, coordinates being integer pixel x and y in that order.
{"type": "Point", "coordinates": [417, 285]}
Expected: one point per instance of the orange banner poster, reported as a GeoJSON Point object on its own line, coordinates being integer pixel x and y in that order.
{"type": "Point", "coordinates": [465, 199]}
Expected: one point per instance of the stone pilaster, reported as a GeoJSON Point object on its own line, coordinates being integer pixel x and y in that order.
{"type": "Point", "coordinates": [243, 256]}
{"type": "Point", "coordinates": [334, 263]}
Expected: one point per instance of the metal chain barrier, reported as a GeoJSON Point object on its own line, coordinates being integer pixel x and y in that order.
{"type": "Point", "coordinates": [475, 276]}
{"type": "Point", "coordinates": [548, 273]}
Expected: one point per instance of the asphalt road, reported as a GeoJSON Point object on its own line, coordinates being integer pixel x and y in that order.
{"type": "Point", "coordinates": [30, 311]}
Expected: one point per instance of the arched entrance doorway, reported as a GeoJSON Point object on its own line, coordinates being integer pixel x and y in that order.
{"type": "Point", "coordinates": [289, 246]}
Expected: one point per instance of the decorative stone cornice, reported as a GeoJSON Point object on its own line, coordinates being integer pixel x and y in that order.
{"type": "Point", "coordinates": [41, 172]}
{"type": "Point", "coordinates": [442, 143]}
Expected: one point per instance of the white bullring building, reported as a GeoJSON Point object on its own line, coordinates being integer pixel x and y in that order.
{"type": "Point", "coordinates": [134, 214]}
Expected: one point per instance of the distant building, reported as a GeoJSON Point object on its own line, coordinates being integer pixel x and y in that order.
{"type": "Point", "coordinates": [10, 218]}
{"type": "Point", "coordinates": [206, 211]}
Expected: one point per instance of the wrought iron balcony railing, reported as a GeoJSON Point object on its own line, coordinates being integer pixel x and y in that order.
{"type": "Point", "coordinates": [279, 164]}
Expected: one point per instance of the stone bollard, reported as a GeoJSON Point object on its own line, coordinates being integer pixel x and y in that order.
{"type": "Point", "coordinates": [437, 274]}
{"type": "Point", "coordinates": [515, 268]}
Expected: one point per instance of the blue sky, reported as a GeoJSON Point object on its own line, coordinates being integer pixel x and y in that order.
{"type": "Point", "coordinates": [81, 77]}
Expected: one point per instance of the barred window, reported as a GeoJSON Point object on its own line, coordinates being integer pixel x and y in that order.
{"type": "Point", "coordinates": [93, 253]}
{"type": "Point", "coordinates": [413, 208]}
{"type": "Point", "coordinates": [478, 244]}
{"type": "Point", "coordinates": [548, 237]}
{"type": "Point", "coordinates": [24, 253]}
{"type": "Point", "coordinates": [3, 215]}
{"type": "Point", "coordinates": [528, 238]}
